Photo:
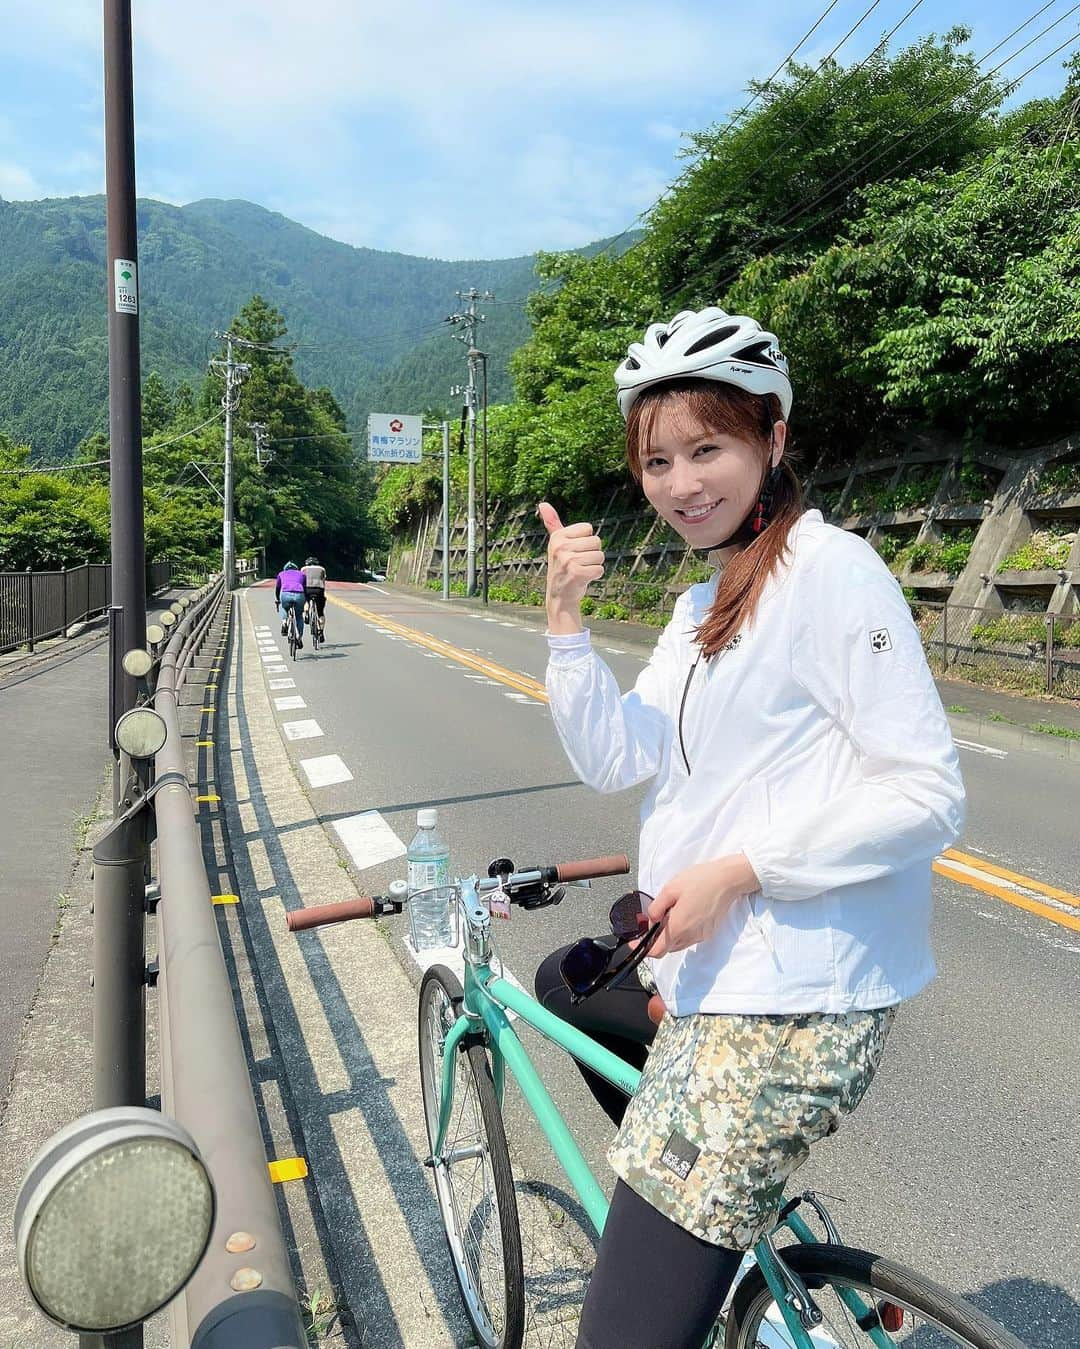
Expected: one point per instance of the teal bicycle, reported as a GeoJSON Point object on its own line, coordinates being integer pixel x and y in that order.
{"type": "Point", "coordinates": [811, 1292]}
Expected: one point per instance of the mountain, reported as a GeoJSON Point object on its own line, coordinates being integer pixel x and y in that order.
{"type": "Point", "coordinates": [370, 325]}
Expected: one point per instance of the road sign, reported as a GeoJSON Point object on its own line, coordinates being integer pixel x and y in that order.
{"type": "Point", "coordinates": [394, 439]}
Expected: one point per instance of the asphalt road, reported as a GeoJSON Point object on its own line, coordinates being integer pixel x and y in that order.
{"type": "Point", "coordinates": [962, 1161]}
{"type": "Point", "coordinates": [53, 722]}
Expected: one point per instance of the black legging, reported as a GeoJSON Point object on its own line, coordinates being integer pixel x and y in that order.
{"type": "Point", "coordinates": [655, 1286]}
{"type": "Point", "coordinates": [616, 1017]}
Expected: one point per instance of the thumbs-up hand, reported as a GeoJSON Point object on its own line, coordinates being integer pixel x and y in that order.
{"type": "Point", "coordinates": [575, 558]}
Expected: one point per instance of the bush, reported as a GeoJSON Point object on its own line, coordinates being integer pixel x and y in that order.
{"type": "Point", "coordinates": [1045, 550]}
{"type": "Point", "coordinates": [647, 596]}
{"type": "Point", "coordinates": [613, 610]}
{"type": "Point", "coordinates": [1011, 628]}
{"type": "Point", "coordinates": [588, 604]}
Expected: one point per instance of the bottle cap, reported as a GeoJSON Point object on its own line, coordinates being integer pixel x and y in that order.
{"type": "Point", "coordinates": [428, 818]}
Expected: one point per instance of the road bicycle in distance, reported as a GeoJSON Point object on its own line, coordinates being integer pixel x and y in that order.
{"type": "Point", "coordinates": [291, 630]}
{"type": "Point", "coordinates": [315, 623]}
{"type": "Point", "coordinates": [802, 1288]}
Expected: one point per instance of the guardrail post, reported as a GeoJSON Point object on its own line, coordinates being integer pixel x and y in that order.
{"type": "Point", "coordinates": [1051, 620]}
{"type": "Point", "coordinates": [945, 639]}
{"type": "Point", "coordinates": [63, 602]}
{"type": "Point", "coordinates": [30, 607]}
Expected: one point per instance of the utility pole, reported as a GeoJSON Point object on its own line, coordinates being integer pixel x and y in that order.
{"type": "Point", "coordinates": [467, 321]}
{"type": "Point", "coordinates": [235, 373]}
{"type": "Point", "coordinates": [120, 856]}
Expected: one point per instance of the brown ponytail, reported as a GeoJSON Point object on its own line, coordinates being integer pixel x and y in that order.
{"type": "Point", "coordinates": [728, 410]}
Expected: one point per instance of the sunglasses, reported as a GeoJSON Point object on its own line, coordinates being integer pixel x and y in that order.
{"type": "Point", "coordinates": [590, 965]}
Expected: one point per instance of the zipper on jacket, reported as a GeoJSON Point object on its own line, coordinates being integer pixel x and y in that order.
{"type": "Point", "coordinates": [682, 709]}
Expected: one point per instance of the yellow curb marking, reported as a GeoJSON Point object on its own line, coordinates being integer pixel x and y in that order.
{"type": "Point", "coordinates": [289, 1168]}
{"type": "Point", "coordinates": [210, 797]}
{"type": "Point", "coordinates": [520, 682]}
{"type": "Point", "coordinates": [204, 744]}
{"type": "Point", "coordinates": [207, 709]}
{"type": "Point", "coordinates": [224, 899]}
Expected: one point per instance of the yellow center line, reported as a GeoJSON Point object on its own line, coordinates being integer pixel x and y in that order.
{"type": "Point", "coordinates": [986, 883]}
{"type": "Point", "coordinates": [521, 683]}
{"type": "Point", "coordinates": [1025, 882]}
{"type": "Point", "coordinates": [988, 887]}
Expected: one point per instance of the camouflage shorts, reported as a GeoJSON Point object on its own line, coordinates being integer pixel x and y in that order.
{"type": "Point", "coordinates": [728, 1107]}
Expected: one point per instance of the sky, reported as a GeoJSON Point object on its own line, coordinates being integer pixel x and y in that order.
{"type": "Point", "coordinates": [452, 130]}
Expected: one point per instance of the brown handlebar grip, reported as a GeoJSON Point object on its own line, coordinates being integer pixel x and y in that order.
{"type": "Point", "coordinates": [593, 866]}
{"type": "Point", "coordinates": [321, 914]}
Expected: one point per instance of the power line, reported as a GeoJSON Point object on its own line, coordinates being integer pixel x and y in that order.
{"type": "Point", "coordinates": [729, 124]}
{"type": "Point", "coordinates": [849, 74]}
{"type": "Point", "coordinates": [54, 468]}
{"type": "Point", "coordinates": [852, 172]}
{"type": "Point", "coordinates": [161, 444]}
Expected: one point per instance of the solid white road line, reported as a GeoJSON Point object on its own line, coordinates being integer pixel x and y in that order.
{"type": "Point", "coordinates": [976, 748]}
{"type": "Point", "coordinates": [326, 770]}
{"type": "Point", "coordinates": [369, 839]}
{"type": "Point", "coordinates": [301, 730]}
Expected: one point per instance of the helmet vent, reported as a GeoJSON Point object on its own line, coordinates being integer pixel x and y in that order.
{"type": "Point", "coordinates": [632, 363]}
{"type": "Point", "coordinates": [711, 339]}
{"type": "Point", "coordinates": [755, 353]}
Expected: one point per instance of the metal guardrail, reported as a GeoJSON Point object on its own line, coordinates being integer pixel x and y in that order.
{"type": "Point", "coordinates": [36, 605]}
{"type": "Point", "coordinates": [242, 1294]}
{"type": "Point", "coordinates": [205, 1082]}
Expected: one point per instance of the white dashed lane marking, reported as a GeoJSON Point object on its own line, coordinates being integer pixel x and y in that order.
{"type": "Point", "coordinates": [290, 703]}
{"type": "Point", "coordinates": [282, 683]}
{"type": "Point", "coordinates": [369, 840]}
{"type": "Point", "coordinates": [301, 730]}
{"type": "Point", "coordinates": [326, 770]}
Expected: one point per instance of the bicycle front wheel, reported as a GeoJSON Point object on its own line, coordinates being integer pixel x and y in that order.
{"type": "Point", "coordinates": [473, 1181]}
{"type": "Point", "coordinates": [901, 1307]}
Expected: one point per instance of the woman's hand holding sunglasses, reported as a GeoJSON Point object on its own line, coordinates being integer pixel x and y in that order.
{"type": "Point", "coordinates": [692, 905]}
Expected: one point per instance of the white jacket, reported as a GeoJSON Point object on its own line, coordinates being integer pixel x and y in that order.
{"type": "Point", "coordinates": [818, 747]}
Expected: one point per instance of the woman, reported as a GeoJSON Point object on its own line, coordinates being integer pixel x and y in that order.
{"type": "Point", "coordinates": [803, 779]}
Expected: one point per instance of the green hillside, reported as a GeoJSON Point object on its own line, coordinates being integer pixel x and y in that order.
{"type": "Point", "coordinates": [369, 324]}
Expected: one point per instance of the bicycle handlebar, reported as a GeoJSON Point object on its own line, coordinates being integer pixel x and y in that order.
{"type": "Point", "coordinates": [592, 867]}
{"type": "Point", "coordinates": [321, 914]}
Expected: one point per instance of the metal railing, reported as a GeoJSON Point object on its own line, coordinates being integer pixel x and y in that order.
{"type": "Point", "coordinates": [1027, 652]}
{"type": "Point", "coordinates": [36, 605]}
{"type": "Point", "coordinates": [243, 1297]}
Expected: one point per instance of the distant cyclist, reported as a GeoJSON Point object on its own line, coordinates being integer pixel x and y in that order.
{"type": "Point", "coordinates": [289, 594]}
{"type": "Point", "coordinates": [315, 589]}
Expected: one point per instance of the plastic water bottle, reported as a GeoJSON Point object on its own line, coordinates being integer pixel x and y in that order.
{"type": "Point", "coordinates": [429, 865]}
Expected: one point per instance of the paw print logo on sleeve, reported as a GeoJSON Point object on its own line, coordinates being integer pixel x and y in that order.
{"type": "Point", "coordinates": [880, 640]}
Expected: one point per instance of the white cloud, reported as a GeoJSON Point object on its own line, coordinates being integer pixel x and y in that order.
{"type": "Point", "coordinates": [18, 184]}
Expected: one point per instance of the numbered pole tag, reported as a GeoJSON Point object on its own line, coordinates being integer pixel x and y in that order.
{"type": "Point", "coordinates": [498, 902]}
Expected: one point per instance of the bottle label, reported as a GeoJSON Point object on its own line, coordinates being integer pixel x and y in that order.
{"type": "Point", "coordinates": [431, 872]}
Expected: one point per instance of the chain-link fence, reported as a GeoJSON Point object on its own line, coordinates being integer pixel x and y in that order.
{"type": "Point", "coordinates": [1031, 653]}
{"type": "Point", "coordinates": [35, 605]}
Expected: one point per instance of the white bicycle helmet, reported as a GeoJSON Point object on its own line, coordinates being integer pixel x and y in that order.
{"type": "Point", "coordinates": [706, 344]}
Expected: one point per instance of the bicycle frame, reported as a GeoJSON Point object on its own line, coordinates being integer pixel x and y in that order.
{"type": "Point", "coordinates": [488, 998]}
